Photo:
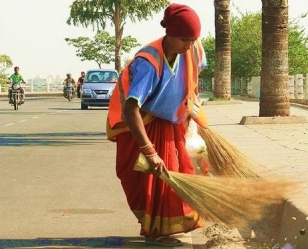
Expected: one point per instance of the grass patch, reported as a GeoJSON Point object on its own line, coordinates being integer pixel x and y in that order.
{"type": "Point", "coordinates": [217, 99]}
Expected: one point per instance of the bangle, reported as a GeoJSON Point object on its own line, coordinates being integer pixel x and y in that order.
{"type": "Point", "coordinates": [150, 155]}
{"type": "Point", "coordinates": [148, 150]}
{"type": "Point", "coordinates": [147, 145]}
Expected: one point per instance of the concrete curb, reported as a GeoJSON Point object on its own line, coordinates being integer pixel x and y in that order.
{"type": "Point", "coordinates": [293, 225]}
{"type": "Point", "coordinates": [246, 120]}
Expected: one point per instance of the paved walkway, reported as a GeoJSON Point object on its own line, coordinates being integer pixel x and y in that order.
{"type": "Point", "coordinates": [281, 148]}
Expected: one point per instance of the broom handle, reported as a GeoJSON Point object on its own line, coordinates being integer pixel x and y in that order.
{"type": "Point", "coordinates": [143, 165]}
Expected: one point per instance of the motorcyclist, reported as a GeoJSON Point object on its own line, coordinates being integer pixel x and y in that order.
{"type": "Point", "coordinates": [80, 82]}
{"type": "Point", "coordinates": [16, 78]}
{"type": "Point", "coordinates": [69, 80]}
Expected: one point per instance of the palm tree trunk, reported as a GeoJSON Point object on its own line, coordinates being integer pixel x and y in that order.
{"type": "Point", "coordinates": [222, 73]}
{"type": "Point", "coordinates": [274, 92]}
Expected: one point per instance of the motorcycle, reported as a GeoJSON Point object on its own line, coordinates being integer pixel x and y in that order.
{"type": "Point", "coordinates": [69, 92]}
{"type": "Point", "coordinates": [15, 96]}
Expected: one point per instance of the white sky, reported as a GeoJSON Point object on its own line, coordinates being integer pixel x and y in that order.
{"type": "Point", "coordinates": [32, 32]}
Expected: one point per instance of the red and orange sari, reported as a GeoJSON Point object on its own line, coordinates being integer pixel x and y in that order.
{"type": "Point", "coordinates": [157, 207]}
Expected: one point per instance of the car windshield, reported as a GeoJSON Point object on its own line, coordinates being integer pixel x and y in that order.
{"type": "Point", "coordinates": [102, 77]}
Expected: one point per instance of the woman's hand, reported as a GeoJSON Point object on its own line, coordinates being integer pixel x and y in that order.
{"type": "Point", "coordinates": [157, 166]}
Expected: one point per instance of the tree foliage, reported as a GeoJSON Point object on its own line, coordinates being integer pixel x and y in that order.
{"type": "Point", "coordinates": [298, 50]}
{"type": "Point", "coordinates": [98, 13]}
{"type": "Point", "coordinates": [246, 38]}
{"type": "Point", "coordinates": [208, 44]}
{"type": "Point", "coordinates": [5, 63]}
{"type": "Point", "coordinates": [246, 35]}
{"type": "Point", "coordinates": [101, 48]}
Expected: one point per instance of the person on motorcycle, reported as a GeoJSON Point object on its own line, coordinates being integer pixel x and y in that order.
{"type": "Point", "coordinates": [80, 82]}
{"type": "Point", "coordinates": [69, 80]}
{"type": "Point", "coordinates": [16, 78]}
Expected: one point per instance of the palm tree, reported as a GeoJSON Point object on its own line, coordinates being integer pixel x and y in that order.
{"type": "Point", "coordinates": [222, 72]}
{"type": "Point", "coordinates": [274, 92]}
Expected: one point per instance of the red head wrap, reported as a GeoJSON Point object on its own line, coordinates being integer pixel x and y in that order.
{"type": "Point", "coordinates": [181, 21]}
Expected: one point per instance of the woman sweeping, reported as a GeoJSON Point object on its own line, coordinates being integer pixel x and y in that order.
{"type": "Point", "coordinates": [149, 112]}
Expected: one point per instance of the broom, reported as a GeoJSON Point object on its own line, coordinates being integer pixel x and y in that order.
{"type": "Point", "coordinates": [225, 159]}
{"type": "Point", "coordinates": [224, 200]}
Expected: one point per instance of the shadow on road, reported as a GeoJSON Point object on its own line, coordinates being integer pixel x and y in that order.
{"type": "Point", "coordinates": [53, 243]}
{"type": "Point", "coordinates": [52, 139]}
{"type": "Point", "coordinates": [104, 242]}
{"type": "Point", "coordinates": [73, 108]}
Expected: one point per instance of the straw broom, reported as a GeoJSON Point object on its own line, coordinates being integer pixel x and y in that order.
{"type": "Point", "coordinates": [224, 200]}
{"type": "Point", "coordinates": [225, 159]}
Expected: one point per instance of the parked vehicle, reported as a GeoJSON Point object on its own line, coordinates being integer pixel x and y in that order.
{"type": "Point", "coordinates": [15, 96]}
{"type": "Point", "coordinates": [98, 87]}
{"type": "Point", "coordinates": [69, 92]}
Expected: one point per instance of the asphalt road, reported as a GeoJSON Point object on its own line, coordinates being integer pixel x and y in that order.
{"type": "Point", "coordinates": [57, 178]}
{"type": "Point", "coordinates": [58, 187]}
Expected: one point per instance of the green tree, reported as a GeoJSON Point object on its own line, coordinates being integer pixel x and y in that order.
{"type": "Point", "coordinates": [246, 43]}
{"type": "Point", "coordinates": [101, 48]}
{"type": "Point", "coordinates": [97, 13]}
{"type": "Point", "coordinates": [298, 50]}
{"type": "Point", "coordinates": [5, 63]}
{"type": "Point", "coordinates": [246, 39]}
{"type": "Point", "coordinates": [208, 44]}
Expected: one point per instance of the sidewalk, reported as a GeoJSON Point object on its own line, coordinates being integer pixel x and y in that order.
{"type": "Point", "coordinates": [280, 147]}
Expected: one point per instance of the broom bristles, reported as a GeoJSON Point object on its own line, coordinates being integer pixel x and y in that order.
{"type": "Point", "coordinates": [225, 200]}
{"type": "Point", "coordinates": [230, 201]}
{"type": "Point", "coordinates": [225, 159]}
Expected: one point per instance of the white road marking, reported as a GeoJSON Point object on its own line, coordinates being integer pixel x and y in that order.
{"type": "Point", "coordinates": [9, 124]}
{"type": "Point", "coordinates": [23, 120]}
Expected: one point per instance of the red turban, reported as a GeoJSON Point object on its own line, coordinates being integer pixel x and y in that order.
{"type": "Point", "coordinates": [181, 21]}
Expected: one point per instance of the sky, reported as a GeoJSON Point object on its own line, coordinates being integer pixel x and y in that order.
{"type": "Point", "coordinates": [32, 32]}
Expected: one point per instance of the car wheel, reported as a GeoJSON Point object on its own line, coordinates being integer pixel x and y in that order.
{"type": "Point", "coordinates": [84, 107]}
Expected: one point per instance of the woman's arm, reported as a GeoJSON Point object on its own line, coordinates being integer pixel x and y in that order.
{"type": "Point", "coordinates": [136, 126]}
{"type": "Point", "coordinates": [134, 121]}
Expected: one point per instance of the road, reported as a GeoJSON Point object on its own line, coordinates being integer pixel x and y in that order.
{"type": "Point", "coordinates": [58, 187]}
{"type": "Point", "coordinates": [57, 176]}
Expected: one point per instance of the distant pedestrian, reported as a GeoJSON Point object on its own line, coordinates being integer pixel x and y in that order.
{"type": "Point", "coordinates": [80, 83]}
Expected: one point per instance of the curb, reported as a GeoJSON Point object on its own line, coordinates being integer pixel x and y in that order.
{"type": "Point", "coordinates": [254, 120]}
{"type": "Point", "coordinates": [293, 225]}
